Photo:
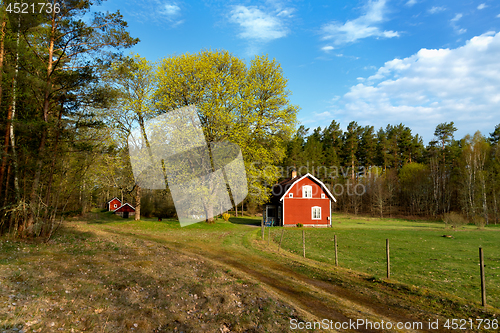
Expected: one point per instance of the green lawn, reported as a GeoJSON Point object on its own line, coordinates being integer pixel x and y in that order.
{"type": "Point", "coordinates": [420, 256]}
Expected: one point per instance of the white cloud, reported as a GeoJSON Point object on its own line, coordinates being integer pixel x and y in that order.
{"type": "Point", "coordinates": [362, 27]}
{"type": "Point", "coordinates": [436, 9]}
{"type": "Point", "coordinates": [323, 115]}
{"type": "Point", "coordinates": [411, 2]}
{"type": "Point", "coordinates": [170, 10]}
{"type": "Point", "coordinates": [482, 6]}
{"type": "Point", "coordinates": [287, 12]}
{"type": "Point", "coordinates": [327, 48]}
{"type": "Point", "coordinates": [159, 12]}
{"type": "Point", "coordinates": [453, 23]}
{"type": "Point", "coordinates": [257, 25]}
{"type": "Point", "coordinates": [457, 17]}
{"type": "Point", "coordinates": [431, 87]}
{"type": "Point", "coordinates": [498, 15]}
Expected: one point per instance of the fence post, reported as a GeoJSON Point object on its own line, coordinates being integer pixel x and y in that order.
{"type": "Point", "coordinates": [262, 227]}
{"type": "Point", "coordinates": [483, 281]}
{"type": "Point", "coordinates": [336, 253]}
{"type": "Point", "coordinates": [388, 258]}
{"type": "Point", "coordinates": [268, 236]}
{"type": "Point", "coordinates": [281, 239]}
{"type": "Point", "coordinates": [304, 242]}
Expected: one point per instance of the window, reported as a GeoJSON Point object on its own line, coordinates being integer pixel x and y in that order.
{"type": "Point", "coordinates": [290, 195]}
{"type": "Point", "coordinates": [316, 213]}
{"type": "Point", "coordinates": [307, 191]}
{"type": "Point", "coordinates": [115, 206]}
{"type": "Point", "coordinates": [322, 195]}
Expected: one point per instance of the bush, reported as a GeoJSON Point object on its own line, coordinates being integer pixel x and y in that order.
{"type": "Point", "coordinates": [299, 225]}
{"type": "Point", "coordinates": [454, 220]}
{"type": "Point", "coordinates": [479, 221]}
{"type": "Point", "coordinates": [226, 216]}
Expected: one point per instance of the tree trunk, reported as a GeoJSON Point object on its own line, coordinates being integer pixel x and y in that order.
{"type": "Point", "coordinates": [485, 206]}
{"type": "Point", "coordinates": [210, 212]}
{"type": "Point", "coordinates": [6, 144]}
{"type": "Point", "coordinates": [495, 206]}
{"type": "Point", "coordinates": [137, 215]}
{"type": "Point", "coordinates": [46, 107]}
{"type": "Point", "coordinates": [6, 194]}
{"type": "Point", "coordinates": [9, 113]}
{"type": "Point", "coordinates": [13, 116]}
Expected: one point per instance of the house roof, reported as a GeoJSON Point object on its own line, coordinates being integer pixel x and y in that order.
{"type": "Point", "coordinates": [114, 199]}
{"type": "Point", "coordinates": [125, 204]}
{"type": "Point", "coordinates": [290, 182]}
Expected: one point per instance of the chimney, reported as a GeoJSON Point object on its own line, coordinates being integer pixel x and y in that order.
{"type": "Point", "coordinates": [294, 173]}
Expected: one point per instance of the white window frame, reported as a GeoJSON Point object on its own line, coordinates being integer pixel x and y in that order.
{"type": "Point", "coordinates": [290, 195]}
{"type": "Point", "coordinates": [322, 195]}
{"type": "Point", "coordinates": [318, 210]}
{"type": "Point", "coordinates": [307, 191]}
{"type": "Point", "coordinates": [115, 205]}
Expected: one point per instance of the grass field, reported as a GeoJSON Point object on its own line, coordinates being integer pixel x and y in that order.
{"type": "Point", "coordinates": [420, 256]}
{"type": "Point", "coordinates": [89, 280]}
{"type": "Point", "coordinates": [102, 273]}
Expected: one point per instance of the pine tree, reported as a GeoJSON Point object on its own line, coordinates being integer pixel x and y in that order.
{"type": "Point", "coordinates": [350, 147]}
{"type": "Point", "coordinates": [367, 148]}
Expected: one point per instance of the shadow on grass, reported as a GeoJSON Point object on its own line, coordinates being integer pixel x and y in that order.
{"type": "Point", "coordinates": [103, 217]}
{"type": "Point", "coordinates": [246, 221]}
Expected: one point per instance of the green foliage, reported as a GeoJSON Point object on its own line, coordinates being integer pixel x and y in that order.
{"type": "Point", "coordinates": [299, 225]}
{"type": "Point", "coordinates": [246, 106]}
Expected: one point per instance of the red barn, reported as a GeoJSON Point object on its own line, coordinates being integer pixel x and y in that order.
{"type": "Point", "coordinates": [125, 210]}
{"type": "Point", "coordinates": [114, 204]}
{"type": "Point", "coordinates": [304, 199]}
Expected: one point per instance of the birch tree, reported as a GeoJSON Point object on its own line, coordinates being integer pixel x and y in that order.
{"type": "Point", "coordinates": [248, 106]}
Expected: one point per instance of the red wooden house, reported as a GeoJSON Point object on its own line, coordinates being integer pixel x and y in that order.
{"type": "Point", "coordinates": [114, 204]}
{"type": "Point", "coordinates": [303, 199]}
{"type": "Point", "coordinates": [125, 210]}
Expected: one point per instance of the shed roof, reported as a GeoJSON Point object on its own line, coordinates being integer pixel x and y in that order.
{"type": "Point", "coordinates": [114, 199]}
{"type": "Point", "coordinates": [121, 208]}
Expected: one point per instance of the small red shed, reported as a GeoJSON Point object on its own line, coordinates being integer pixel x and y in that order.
{"type": "Point", "coordinates": [125, 210]}
{"type": "Point", "coordinates": [303, 199]}
{"type": "Point", "coordinates": [114, 204]}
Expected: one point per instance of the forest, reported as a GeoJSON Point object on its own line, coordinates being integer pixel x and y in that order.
{"type": "Point", "coordinates": [391, 172]}
{"type": "Point", "coordinates": [69, 98]}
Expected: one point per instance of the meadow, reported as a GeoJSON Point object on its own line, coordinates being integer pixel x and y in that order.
{"type": "Point", "coordinates": [420, 255]}
{"type": "Point", "coordinates": [103, 273]}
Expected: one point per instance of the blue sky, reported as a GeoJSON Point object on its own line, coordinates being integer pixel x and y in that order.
{"type": "Point", "coordinates": [378, 62]}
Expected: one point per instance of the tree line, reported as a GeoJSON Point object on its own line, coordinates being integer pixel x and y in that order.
{"type": "Point", "coordinates": [391, 172]}
{"type": "Point", "coordinates": [69, 100]}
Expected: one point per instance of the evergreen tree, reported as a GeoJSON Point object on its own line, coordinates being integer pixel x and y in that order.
{"type": "Point", "coordinates": [331, 139]}
{"type": "Point", "coordinates": [313, 153]}
{"type": "Point", "coordinates": [382, 149]}
{"type": "Point", "coordinates": [350, 146]}
{"type": "Point", "coordinates": [367, 148]}
{"type": "Point", "coordinates": [56, 55]}
{"type": "Point", "coordinates": [295, 150]}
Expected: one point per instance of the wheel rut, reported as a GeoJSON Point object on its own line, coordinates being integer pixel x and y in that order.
{"type": "Point", "coordinates": [320, 299]}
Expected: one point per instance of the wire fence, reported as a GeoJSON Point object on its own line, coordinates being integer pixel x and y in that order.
{"type": "Point", "coordinates": [455, 270]}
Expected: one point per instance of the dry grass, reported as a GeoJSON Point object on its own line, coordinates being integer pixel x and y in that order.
{"type": "Point", "coordinates": [98, 282]}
